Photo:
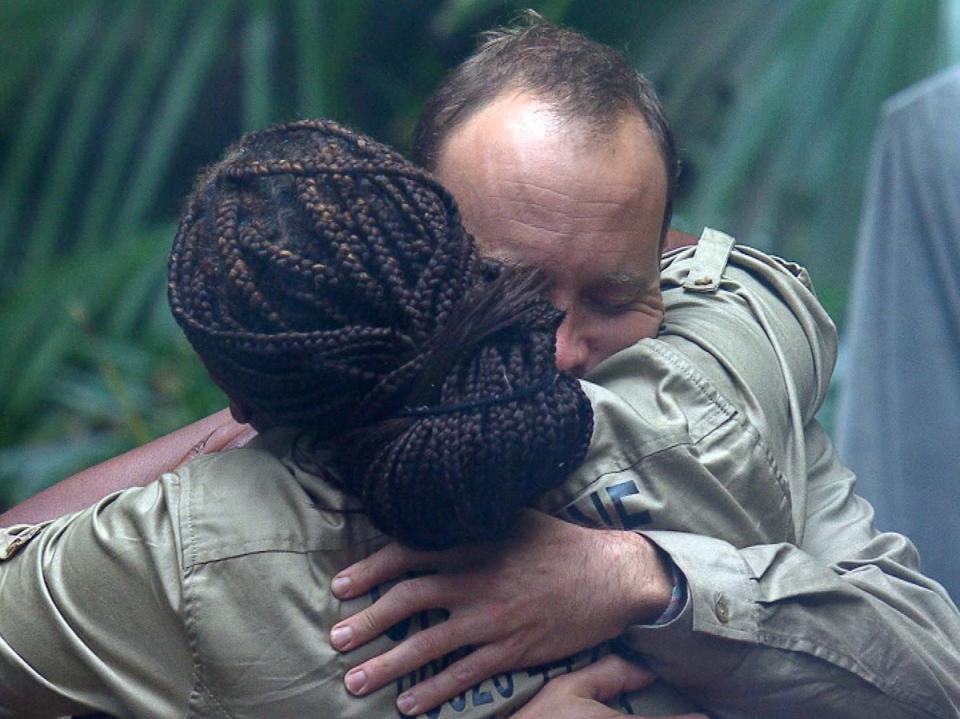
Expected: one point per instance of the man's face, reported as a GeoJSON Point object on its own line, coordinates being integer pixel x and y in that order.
{"type": "Point", "coordinates": [587, 213]}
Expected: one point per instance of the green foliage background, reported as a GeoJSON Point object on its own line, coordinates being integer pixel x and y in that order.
{"type": "Point", "coordinates": [108, 108]}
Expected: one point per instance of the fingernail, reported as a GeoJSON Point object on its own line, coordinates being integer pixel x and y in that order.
{"type": "Point", "coordinates": [407, 703]}
{"type": "Point", "coordinates": [340, 637]}
{"type": "Point", "coordinates": [355, 680]}
{"type": "Point", "coordinates": [341, 586]}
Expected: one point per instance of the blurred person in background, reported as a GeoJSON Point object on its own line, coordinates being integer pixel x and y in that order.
{"type": "Point", "coordinates": [898, 421]}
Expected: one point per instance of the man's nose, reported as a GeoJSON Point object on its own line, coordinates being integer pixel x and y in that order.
{"type": "Point", "coordinates": [572, 353]}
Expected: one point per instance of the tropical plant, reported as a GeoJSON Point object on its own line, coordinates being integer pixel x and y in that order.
{"type": "Point", "coordinates": [109, 107]}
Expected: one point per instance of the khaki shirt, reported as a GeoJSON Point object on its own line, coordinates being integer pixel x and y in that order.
{"type": "Point", "coordinates": [206, 593]}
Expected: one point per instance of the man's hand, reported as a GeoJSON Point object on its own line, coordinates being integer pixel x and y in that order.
{"type": "Point", "coordinates": [580, 695]}
{"type": "Point", "coordinates": [550, 590]}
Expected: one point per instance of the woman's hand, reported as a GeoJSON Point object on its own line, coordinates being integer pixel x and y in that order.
{"type": "Point", "coordinates": [581, 694]}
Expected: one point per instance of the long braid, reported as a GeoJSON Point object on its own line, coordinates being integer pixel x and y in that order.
{"type": "Point", "coordinates": [328, 284]}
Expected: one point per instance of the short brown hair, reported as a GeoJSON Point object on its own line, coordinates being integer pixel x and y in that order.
{"type": "Point", "coordinates": [582, 79]}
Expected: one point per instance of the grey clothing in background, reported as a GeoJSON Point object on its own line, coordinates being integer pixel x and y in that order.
{"type": "Point", "coordinates": [898, 425]}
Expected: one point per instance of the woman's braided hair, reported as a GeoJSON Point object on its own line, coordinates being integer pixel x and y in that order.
{"type": "Point", "coordinates": [328, 284]}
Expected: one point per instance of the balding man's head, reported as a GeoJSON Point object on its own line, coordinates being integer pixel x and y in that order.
{"type": "Point", "coordinates": [590, 84]}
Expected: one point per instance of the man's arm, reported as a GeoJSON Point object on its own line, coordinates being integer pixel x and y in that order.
{"type": "Point", "coordinates": [840, 605]}
{"type": "Point", "coordinates": [847, 610]}
{"type": "Point", "coordinates": [135, 468]}
{"type": "Point", "coordinates": [743, 637]}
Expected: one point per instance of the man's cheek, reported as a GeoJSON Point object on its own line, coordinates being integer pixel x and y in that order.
{"type": "Point", "coordinates": [627, 332]}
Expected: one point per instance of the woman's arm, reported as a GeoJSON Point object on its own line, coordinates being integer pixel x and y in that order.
{"type": "Point", "coordinates": [132, 469]}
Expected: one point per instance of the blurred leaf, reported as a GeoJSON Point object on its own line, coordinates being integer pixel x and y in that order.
{"type": "Point", "coordinates": [121, 132]}
{"type": "Point", "coordinates": [36, 128]}
{"type": "Point", "coordinates": [33, 22]}
{"type": "Point", "coordinates": [30, 468]}
{"type": "Point", "coordinates": [36, 321]}
{"type": "Point", "coordinates": [95, 84]}
{"type": "Point", "coordinates": [308, 30]}
{"type": "Point", "coordinates": [201, 48]}
{"type": "Point", "coordinates": [456, 15]}
{"type": "Point", "coordinates": [259, 39]}
{"type": "Point", "coordinates": [114, 381]}
{"type": "Point", "coordinates": [775, 103]}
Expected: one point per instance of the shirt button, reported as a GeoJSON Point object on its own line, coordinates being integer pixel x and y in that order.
{"type": "Point", "coordinates": [721, 609]}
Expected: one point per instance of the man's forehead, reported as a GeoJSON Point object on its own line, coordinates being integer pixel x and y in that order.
{"type": "Point", "coordinates": [532, 196]}
{"type": "Point", "coordinates": [517, 119]}
{"type": "Point", "coordinates": [513, 149]}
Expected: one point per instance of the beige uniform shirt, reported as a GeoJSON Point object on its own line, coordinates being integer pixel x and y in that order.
{"type": "Point", "coordinates": [206, 593]}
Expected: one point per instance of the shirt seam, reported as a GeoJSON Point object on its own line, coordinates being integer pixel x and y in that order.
{"type": "Point", "coordinates": [200, 687]}
{"type": "Point", "coordinates": [629, 462]}
{"type": "Point", "coordinates": [850, 663]}
{"type": "Point", "coordinates": [712, 394]}
{"type": "Point", "coordinates": [254, 552]}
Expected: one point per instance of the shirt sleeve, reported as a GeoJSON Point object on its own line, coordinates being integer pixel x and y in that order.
{"type": "Point", "coordinates": [90, 618]}
{"type": "Point", "coordinates": [830, 616]}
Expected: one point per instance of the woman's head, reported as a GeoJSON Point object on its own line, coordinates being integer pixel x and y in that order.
{"type": "Point", "coordinates": [327, 284]}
